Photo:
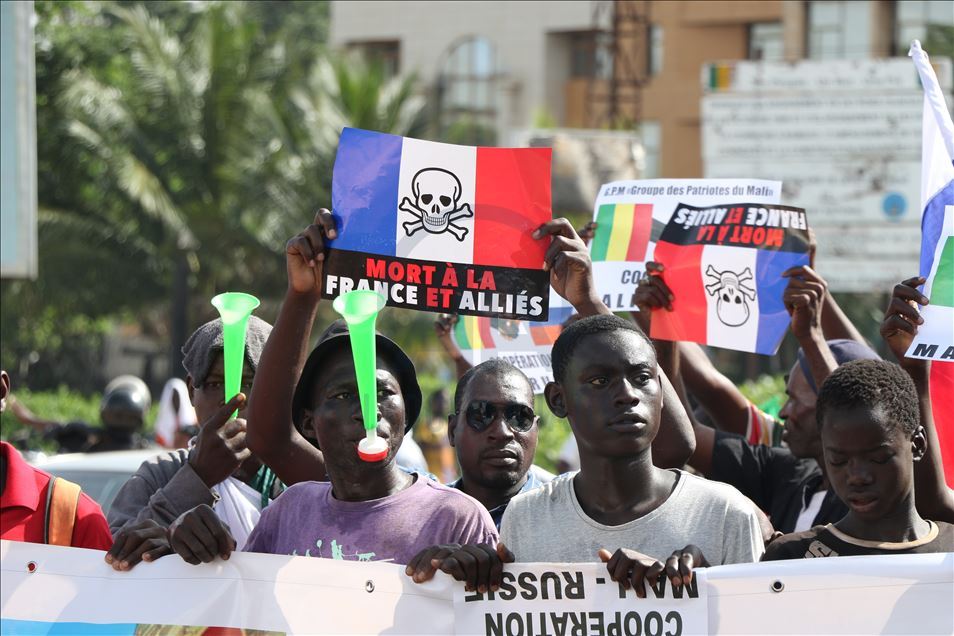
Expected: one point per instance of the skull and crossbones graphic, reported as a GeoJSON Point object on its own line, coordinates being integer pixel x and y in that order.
{"type": "Point", "coordinates": [436, 203]}
{"type": "Point", "coordinates": [731, 292]}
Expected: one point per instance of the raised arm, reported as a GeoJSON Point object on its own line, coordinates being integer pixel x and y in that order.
{"type": "Point", "coordinates": [272, 435]}
{"type": "Point", "coordinates": [933, 498]}
{"type": "Point", "coordinates": [804, 298]}
{"type": "Point", "coordinates": [444, 328]}
{"type": "Point", "coordinates": [834, 322]}
{"type": "Point", "coordinates": [571, 276]}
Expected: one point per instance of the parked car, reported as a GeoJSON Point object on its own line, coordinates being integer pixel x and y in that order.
{"type": "Point", "coordinates": [100, 475]}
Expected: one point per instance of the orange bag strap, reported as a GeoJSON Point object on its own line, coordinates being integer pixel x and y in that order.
{"type": "Point", "coordinates": [62, 498]}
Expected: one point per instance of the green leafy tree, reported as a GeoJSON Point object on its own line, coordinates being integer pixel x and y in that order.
{"type": "Point", "coordinates": [180, 145]}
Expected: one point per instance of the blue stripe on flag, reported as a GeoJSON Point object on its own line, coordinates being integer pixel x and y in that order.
{"type": "Point", "coordinates": [773, 318]}
{"type": "Point", "coordinates": [364, 191]}
{"type": "Point", "coordinates": [932, 225]}
{"type": "Point", "coordinates": [11, 627]}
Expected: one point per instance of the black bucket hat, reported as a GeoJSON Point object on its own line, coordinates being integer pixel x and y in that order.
{"type": "Point", "coordinates": [336, 335]}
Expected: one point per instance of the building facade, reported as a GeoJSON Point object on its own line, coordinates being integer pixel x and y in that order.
{"type": "Point", "coordinates": [492, 68]}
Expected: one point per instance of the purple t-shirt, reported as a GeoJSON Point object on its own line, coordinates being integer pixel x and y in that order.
{"type": "Point", "coordinates": [306, 520]}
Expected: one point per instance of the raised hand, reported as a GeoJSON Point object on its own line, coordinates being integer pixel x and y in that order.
{"type": "Point", "coordinates": [651, 293]}
{"type": "Point", "coordinates": [144, 541]}
{"type": "Point", "coordinates": [305, 254]}
{"type": "Point", "coordinates": [220, 447]}
{"type": "Point", "coordinates": [804, 298]}
{"type": "Point", "coordinates": [571, 271]}
{"type": "Point", "coordinates": [587, 232]}
{"type": "Point", "coordinates": [198, 536]}
{"type": "Point", "coordinates": [901, 320]}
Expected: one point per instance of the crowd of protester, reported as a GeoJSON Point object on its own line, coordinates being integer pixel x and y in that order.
{"type": "Point", "coordinates": [673, 468]}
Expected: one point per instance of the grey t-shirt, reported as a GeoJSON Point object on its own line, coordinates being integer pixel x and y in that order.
{"type": "Point", "coordinates": [548, 525]}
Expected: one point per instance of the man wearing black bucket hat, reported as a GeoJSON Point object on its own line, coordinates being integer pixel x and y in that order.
{"type": "Point", "coordinates": [367, 511]}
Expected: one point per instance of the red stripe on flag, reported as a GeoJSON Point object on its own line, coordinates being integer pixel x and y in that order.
{"type": "Point", "coordinates": [483, 324]}
{"type": "Point", "coordinates": [545, 335]}
{"type": "Point", "coordinates": [942, 396]}
{"type": "Point", "coordinates": [642, 226]}
{"type": "Point", "coordinates": [512, 200]}
{"type": "Point", "coordinates": [687, 320]}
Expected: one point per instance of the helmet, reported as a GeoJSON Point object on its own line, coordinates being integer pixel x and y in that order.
{"type": "Point", "coordinates": [125, 403]}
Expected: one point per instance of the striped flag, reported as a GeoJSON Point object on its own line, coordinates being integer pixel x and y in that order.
{"type": "Point", "coordinates": [473, 332]}
{"type": "Point", "coordinates": [724, 266]}
{"type": "Point", "coordinates": [440, 227]}
{"type": "Point", "coordinates": [719, 76]}
{"type": "Point", "coordinates": [622, 232]}
{"type": "Point", "coordinates": [935, 339]}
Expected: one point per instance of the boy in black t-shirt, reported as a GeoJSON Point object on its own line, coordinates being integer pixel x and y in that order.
{"type": "Point", "coordinates": [871, 436]}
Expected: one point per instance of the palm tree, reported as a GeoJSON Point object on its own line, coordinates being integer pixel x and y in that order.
{"type": "Point", "coordinates": [221, 139]}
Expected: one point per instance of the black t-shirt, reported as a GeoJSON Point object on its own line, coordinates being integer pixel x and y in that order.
{"type": "Point", "coordinates": [829, 541]}
{"type": "Point", "coordinates": [774, 479]}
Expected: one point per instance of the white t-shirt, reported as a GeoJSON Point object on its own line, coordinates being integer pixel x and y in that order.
{"type": "Point", "coordinates": [548, 525]}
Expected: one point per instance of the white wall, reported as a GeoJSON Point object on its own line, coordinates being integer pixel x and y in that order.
{"type": "Point", "coordinates": [427, 30]}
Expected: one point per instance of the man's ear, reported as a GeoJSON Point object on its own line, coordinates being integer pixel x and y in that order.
{"type": "Point", "coordinates": [918, 444]}
{"type": "Point", "coordinates": [555, 398]}
{"type": "Point", "coordinates": [4, 389]}
{"type": "Point", "coordinates": [191, 388]}
{"type": "Point", "coordinates": [452, 428]}
{"type": "Point", "coordinates": [308, 427]}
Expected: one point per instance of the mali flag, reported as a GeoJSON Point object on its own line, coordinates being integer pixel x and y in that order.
{"type": "Point", "coordinates": [622, 232]}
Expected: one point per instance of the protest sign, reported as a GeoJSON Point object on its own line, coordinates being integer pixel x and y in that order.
{"type": "Point", "coordinates": [580, 598]}
{"type": "Point", "coordinates": [523, 344]}
{"type": "Point", "coordinates": [57, 590]}
{"type": "Point", "coordinates": [724, 265]}
{"type": "Point", "coordinates": [438, 227]}
{"type": "Point", "coordinates": [630, 216]}
{"type": "Point", "coordinates": [935, 338]}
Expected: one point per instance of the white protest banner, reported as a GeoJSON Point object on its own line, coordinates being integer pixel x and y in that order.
{"type": "Point", "coordinates": [276, 594]}
{"type": "Point", "coordinates": [55, 590]}
{"type": "Point", "coordinates": [935, 338]}
{"type": "Point", "coordinates": [630, 216]}
{"type": "Point", "coordinates": [579, 598]}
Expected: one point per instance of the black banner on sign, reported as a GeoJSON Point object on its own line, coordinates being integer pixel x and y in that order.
{"type": "Point", "coordinates": [765, 227]}
{"type": "Point", "coordinates": [474, 290]}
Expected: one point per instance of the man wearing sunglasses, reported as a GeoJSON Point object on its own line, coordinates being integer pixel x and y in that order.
{"type": "Point", "coordinates": [494, 431]}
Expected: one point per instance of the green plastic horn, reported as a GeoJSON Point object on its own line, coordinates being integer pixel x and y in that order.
{"type": "Point", "coordinates": [234, 308]}
{"type": "Point", "coordinates": [360, 308]}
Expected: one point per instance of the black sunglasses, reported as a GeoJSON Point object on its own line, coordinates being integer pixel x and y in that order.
{"type": "Point", "coordinates": [480, 414]}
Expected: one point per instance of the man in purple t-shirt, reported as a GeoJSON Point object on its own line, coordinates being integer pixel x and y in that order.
{"type": "Point", "coordinates": [367, 511]}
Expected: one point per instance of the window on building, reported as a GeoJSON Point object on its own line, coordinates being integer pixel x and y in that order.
{"type": "Point", "coordinates": [839, 29]}
{"type": "Point", "coordinates": [766, 41]}
{"type": "Point", "coordinates": [930, 22]}
{"type": "Point", "coordinates": [655, 49]}
{"type": "Point", "coordinates": [590, 55]}
{"type": "Point", "coordinates": [387, 53]}
{"type": "Point", "coordinates": [467, 93]}
{"type": "Point", "coordinates": [650, 133]}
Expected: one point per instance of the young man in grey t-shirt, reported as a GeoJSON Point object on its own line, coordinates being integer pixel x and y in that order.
{"type": "Point", "coordinates": [607, 385]}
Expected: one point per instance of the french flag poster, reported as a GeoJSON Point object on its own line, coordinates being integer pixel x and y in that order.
{"type": "Point", "coordinates": [724, 266]}
{"type": "Point", "coordinates": [439, 227]}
